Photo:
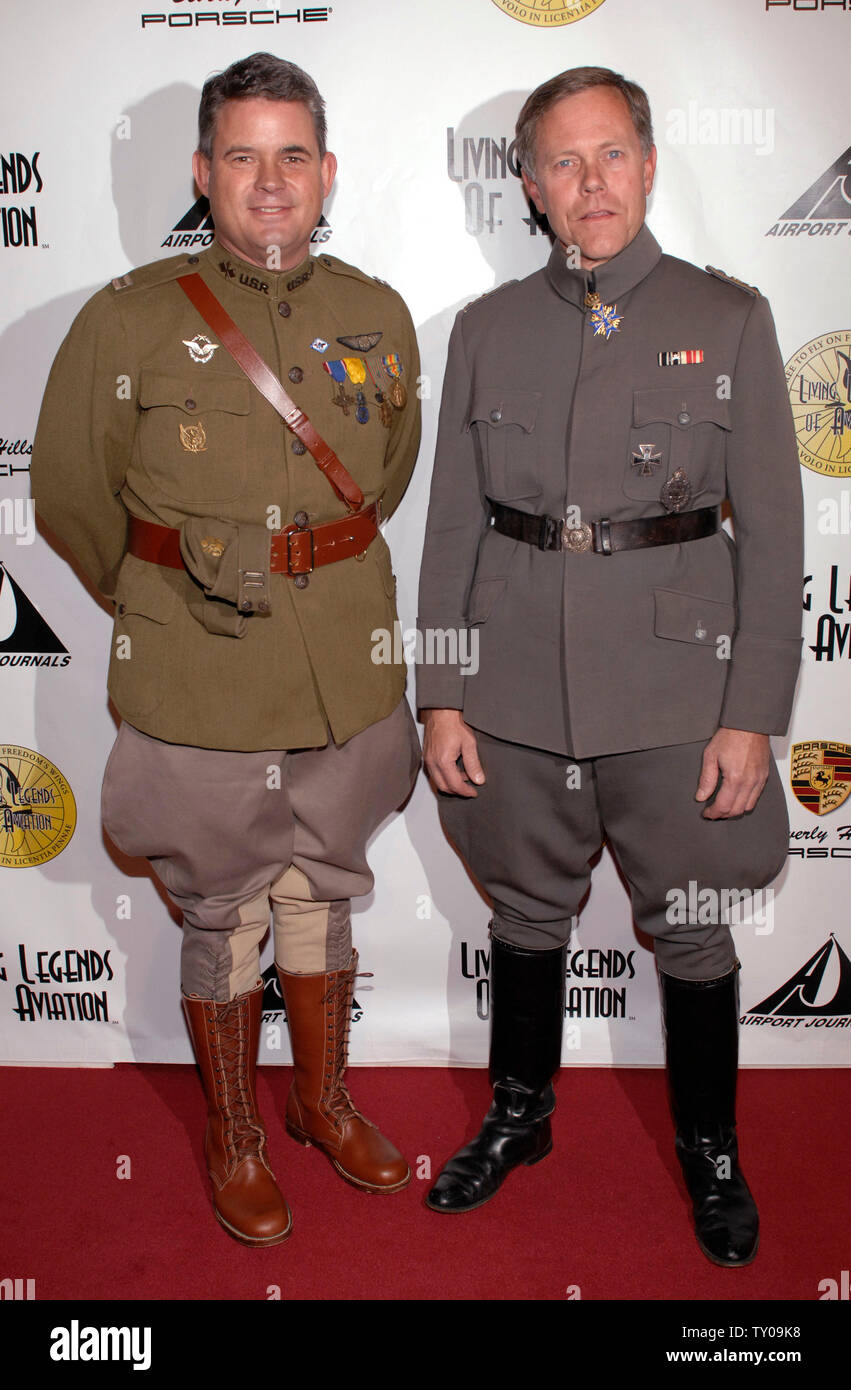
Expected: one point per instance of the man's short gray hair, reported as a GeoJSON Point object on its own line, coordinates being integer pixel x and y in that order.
{"type": "Point", "coordinates": [567, 84]}
{"type": "Point", "coordinates": [261, 75]}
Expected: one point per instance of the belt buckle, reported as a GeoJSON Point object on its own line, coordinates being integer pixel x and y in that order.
{"type": "Point", "coordinates": [300, 531]}
{"type": "Point", "coordinates": [576, 538]}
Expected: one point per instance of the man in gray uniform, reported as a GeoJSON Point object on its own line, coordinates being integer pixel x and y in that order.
{"type": "Point", "coordinates": [260, 745]}
{"type": "Point", "coordinates": [632, 661]}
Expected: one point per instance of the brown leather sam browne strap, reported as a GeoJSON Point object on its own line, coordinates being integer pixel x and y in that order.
{"type": "Point", "coordinates": [269, 386]}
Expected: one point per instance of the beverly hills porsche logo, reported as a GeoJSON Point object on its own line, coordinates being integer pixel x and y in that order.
{"type": "Point", "coordinates": [820, 774]}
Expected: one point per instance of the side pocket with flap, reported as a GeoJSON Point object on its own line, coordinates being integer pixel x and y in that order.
{"type": "Point", "coordinates": [144, 605]}
{"type": "Point", "coordinates": [690, 618]}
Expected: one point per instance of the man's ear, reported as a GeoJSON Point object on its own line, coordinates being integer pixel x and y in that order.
{"type": "Point", "coordinates": [533, 192]}
{"type": "Point", "coordinates": [649, 170]}
{"type": "Point", "coordinates": [201, 171]}
{"type": "Point", "coordinates": [329, 172]}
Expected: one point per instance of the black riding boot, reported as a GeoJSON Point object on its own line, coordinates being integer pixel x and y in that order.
{"type": "Point", "coordinates": [701, 1025]}
{"type": "Point", "coordinates": [527, 1014]}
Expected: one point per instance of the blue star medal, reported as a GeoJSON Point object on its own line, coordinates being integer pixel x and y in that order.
{"type": "Point", "coordinates": [603, 318]}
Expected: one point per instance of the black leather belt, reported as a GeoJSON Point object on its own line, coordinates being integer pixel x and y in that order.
{"type": "Point", "coordinates": [604, 537]}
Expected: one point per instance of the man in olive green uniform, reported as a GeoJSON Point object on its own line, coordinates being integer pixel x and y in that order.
{"type": "Point", "coordinates": [632, 662]}
{"type": "Point", "coordinates": [261, 744]}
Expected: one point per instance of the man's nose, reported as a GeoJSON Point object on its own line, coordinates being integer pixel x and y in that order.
{"type": "Point", "coordinates": [269, 174]}
{"type": "Point", "coordinates": [593, 180]}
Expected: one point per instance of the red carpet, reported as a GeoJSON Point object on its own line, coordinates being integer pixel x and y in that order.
{"type": "Point", "coordinates": [605, 1213]}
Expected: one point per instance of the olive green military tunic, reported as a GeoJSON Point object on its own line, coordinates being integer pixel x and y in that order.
{"type": "Point", "coordinates": [146, 413]}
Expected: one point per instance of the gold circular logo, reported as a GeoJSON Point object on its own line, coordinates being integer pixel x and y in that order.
{"type": "Point", "coordinates": [819, 381]}
{"type": "Point", "coordinates": [37, 809]}
{"type": "Point", "coordinates": [547, 13]}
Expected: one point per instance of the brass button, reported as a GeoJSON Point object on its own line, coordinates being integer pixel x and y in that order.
{"type": "Point", "coordinates": [122, 609]}
{"type": "Point", "coordinates": [298, 447]}
{"type": "Point", "coordinates": [301, 519]}
{"type": "Point", "coordinates": [193, 260]}
{"type": "Point", "coordinates": [189, 403]}
{"type": "Point", "coordinates": [284, 309]}
{"type": "Point", "coordinates": [496, 416]}
{"type": "Point", "coordinates": [295, 375]}
{"type": "Point", "coordinates": [301, 581]}
{"type": "Point", "coordinates": [684, 418]}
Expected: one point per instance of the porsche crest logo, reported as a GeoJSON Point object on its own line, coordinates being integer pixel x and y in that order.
{"type": "Point", "coordinates": [820, 774]}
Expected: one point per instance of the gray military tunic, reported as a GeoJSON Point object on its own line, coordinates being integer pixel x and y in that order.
{"type": "Point", "coordinates": [594, 654]}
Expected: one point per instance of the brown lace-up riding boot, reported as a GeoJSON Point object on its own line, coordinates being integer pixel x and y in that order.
{"type": "Point", "coordinates": [320, 1110]}
{"type": "Point", "coordinates": [246, 1198]}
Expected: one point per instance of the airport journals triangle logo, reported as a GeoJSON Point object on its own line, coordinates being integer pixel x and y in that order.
{"type": "Point", "coordinates": [273, 1000]}
{"type": "Point", "coordinates": [22, 628]}
{"type": "Point", "coordinates": [824, 209]}
{"type": "Point", "coordinates": [196, 228]}
{"type": "Point", "coordinates": [821, 988]}
{"type": "Point", "coordinates": [829, 198]}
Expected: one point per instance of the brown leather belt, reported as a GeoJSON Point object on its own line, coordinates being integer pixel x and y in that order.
{"type": "Point", "coordinates": [297, 549]}
{"type": "Point", "coordinates": [604, 537]}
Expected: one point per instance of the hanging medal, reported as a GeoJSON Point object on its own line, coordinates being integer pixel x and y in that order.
{"type": "Point", "coordinates": [384, 412]}
{"type": "Point", "coordinates": [357, 376]}
{"type": "Point", "coordinates": [338, 372]}
{"type": "Point", "coordinates": [603, 318]}
{"type": "Point", "coordinates": [393, 367]}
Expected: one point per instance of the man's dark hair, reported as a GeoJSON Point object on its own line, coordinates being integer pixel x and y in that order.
{"type": "Point", "coordinates": [567, 84]}
{"type": "Point", "coordinates": [261, 75]}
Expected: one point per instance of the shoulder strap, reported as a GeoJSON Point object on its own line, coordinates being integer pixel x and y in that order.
{"type": "Point", "coordinates": [261, 376]}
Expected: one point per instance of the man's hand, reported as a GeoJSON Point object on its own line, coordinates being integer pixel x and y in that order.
{"type": "Point", "coordinates": [447, 738]}
{"type": "Point", "coordinates": [743, 760]}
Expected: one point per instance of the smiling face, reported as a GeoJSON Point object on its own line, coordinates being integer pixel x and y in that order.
{"type": "Point", "coordinates": [591, 178]}
{"type": "Point", "coordinates": [266, 180]}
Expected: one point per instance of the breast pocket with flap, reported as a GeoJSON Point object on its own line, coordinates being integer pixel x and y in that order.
{"type": "Point", "coordinates": [193, 437]}
{"type": "Point", "coordinates": [505, 426]}
{"type": "Point", "coordinates": [676, 428]}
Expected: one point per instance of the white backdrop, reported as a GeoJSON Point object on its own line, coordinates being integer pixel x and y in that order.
{"type": "Point", "coordinates": [99, 108]}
